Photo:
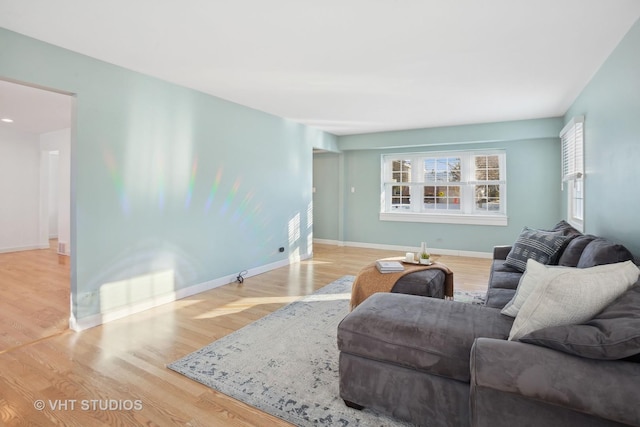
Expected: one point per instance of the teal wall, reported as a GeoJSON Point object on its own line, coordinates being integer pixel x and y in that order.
{"type": "Point", "coordinates": [172, 187]}
{"type": "Point", "coordinates": [533, 190]}
{"type": "Point", "coordinates": [611, 106]}
{"type": "Point", "coordinates": [326, 198]}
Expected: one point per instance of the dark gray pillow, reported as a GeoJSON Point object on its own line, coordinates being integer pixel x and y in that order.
{"type": "Point", "coordinates": [613, 334]}
{"type": "Point", "coordinates": [602, 251]}
{"type": "Point", "coordinates": [542, 246]}
{"type": "Point", "coordinates": [572, 253]}
{"type": "Point", "coordinates": [566, 229]}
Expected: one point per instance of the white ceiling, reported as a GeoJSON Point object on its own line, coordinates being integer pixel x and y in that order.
{"type": "Point", "coordinates": [350, 66]}
{"type": "Point", "coordinates": [33, 110]}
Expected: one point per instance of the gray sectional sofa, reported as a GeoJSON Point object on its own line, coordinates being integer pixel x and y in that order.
{"type": "Point", "coordinates": [434, 362]}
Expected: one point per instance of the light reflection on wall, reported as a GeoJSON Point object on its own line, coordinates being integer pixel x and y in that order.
{"type": "Point", "coordinates": [310, 228]}
{"type": "Point", "coordinates": [118, 182]}
{"type": "Point", "coordinates": [294, 229]}
{"type": "Point", "coordinates": [214, 190]}
{"type": "Point", "coordinates": [139, 289]}
{"type": "Point", "coordinates": [209, 213]}
{"type": "Point", "coordinates": [192, 183]}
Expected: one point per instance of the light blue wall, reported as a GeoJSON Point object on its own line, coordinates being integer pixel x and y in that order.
{"type": "Point", "coordinates": [326, 198]}
{"type": "Point", "coordinates": [533, 176]}
{"type": "Point", "coordinates": [611, 106]}
{"type": "Point", "coordinates": [172, 186]}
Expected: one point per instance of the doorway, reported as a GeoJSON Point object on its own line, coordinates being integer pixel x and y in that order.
{"type": "Point", "coordinates": [35, 145]}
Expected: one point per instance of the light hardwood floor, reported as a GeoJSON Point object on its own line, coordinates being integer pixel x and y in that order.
{"type": "Point", "coordinates": [34, 296]}
{"type": "Point", "coordinates": [125, 360]}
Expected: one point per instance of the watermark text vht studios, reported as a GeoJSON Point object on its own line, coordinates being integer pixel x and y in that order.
{"type": "Point", "coordinates": [88, 405]}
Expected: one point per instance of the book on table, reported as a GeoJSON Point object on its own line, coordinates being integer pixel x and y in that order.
{"type": "Point", "coordinates": [389, 266]}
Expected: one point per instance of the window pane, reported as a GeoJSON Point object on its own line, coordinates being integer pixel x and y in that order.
{"type": "Point", "coordinates": [453, 198]}
{"type": "Point", "coordinates": [430, 170]}
{"type": "Point", "coordinates": [442, 169]}
{"type": "Point", "coordinates": [429, 198]}
{"type": "Point", "coordinates": [454, 169]}
{"type": "Point", "coordinates": [577, 200]}
{"type": "Point", "coordinates": [493, 162]}
{"type": "Point", "coordinates": [401, 170]}
{"type": "Point", "coordinates": [487, 197]}
{"type": "Point", "coordinates": [481, 162]}
{"type": "Point", "coordinates": [487, 168]}
{"type": "Point", "coordinates": [400, 197]}
{"type": "Point", "coordinates": [442, 197]}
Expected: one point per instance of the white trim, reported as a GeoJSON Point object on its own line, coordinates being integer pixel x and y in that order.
{"type": "Point", "coordinates": [573, 121]}
{"type": "Point", "coordinates": [417, 182]}
{"type": "Point", "coordinates": [101, 318]}
{"type": "Point", "coordinates": [328, 242]}
{"type": "Point", "coordinates": [497, 220]}
{"type": "Point", "coordinates": [578, 225]}
{"type": "Point", "coordinates": [435, 251]}
{"type": "Point", "coordinates": [25, 248]}
{"type": "Point", "coordinates": [400, 248]}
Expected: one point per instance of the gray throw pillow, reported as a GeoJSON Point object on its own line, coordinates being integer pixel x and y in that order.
{"type": "Point", "coordinates": [602, 251]}
{"type": "Point", "coordinates": [572, 253]}
{"type": "Point", "coordinates": [613, 334]}
{"type": "Point", "coordinates": [539, 245]}
{"type": "Point", "coordinates": [566, 229]}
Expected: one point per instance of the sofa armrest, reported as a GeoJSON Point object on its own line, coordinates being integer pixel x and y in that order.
{"type": "Point", "coordinates": [605, 389]}
{"type": "Point", "coordinates": [501, 252]}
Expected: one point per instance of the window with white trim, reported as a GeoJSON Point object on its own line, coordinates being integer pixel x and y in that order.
{"type": "Point", "coordinates": [467, 187]}
{"type": "Point", "coordinates": [572, 143]}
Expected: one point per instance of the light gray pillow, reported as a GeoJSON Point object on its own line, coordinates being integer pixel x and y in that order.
{"type": "Point", "coordinates": [535, 274]}
{"type": "Point", "coordinates": [573, 297]}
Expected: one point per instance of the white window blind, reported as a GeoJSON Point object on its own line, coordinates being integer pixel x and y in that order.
{"type": "Point", "coordinates": [572, 142]}
{"type": "Point", "coordinates": [572, 137]}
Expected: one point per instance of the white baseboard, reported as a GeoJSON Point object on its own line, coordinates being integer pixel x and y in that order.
{"type": "Point", "coordinates": [24, 248]}
{"type": "Point", "coordinates": [101, 318]}
{"type": "Point", "coordinates": [328, 242]}
{"type": "Point", "coordinates": [399, 248]}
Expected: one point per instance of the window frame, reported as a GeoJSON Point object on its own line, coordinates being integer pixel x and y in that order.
{"type": "Point", "coordinates": [572, 170]}
{"type": "Point", "coordinates": [467, 213]}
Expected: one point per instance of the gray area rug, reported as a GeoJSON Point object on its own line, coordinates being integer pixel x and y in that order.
{"type": "Point", "coordinates": [286, 363]}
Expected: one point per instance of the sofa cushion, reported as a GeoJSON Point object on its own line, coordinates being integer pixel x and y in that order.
{"type": "Point", "coordinates": [526, 379]}
{"type": "Point", "coordinates": [602, 251]}
{"type": "Point", "coordinates": [542, 246]}
{"type": "Point", "coordinates": [612, 334]}
{"type": "Point", "coordinates": [503, 276]}
{"type": "Point", "coordinates": [498, 297]}
{"type": "Point", "coordinates": [425, 334]}
{"type": "Point", "coordinates": [574, 296]}
{"type": "Point", "coordinates": [571, 254]}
